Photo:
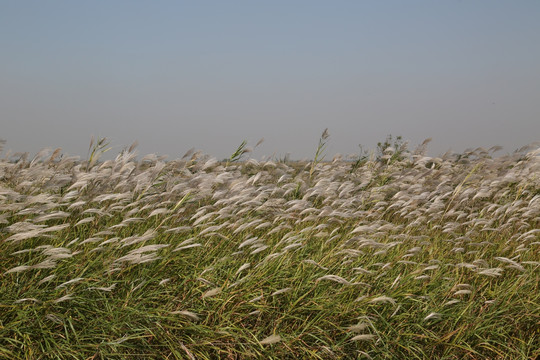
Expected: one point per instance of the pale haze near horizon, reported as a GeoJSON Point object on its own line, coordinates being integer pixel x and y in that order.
{"type": "Point", "coordinates": [175, 75]}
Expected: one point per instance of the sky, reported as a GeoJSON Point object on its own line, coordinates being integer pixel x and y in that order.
{"type": "Point", "coordinates": [174, 75]}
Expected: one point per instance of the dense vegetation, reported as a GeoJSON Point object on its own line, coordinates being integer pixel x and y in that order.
{"type": "Point", "coordinates": [396, 255]}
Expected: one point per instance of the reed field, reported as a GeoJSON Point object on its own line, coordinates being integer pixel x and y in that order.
{"type": "Point", "coordinates": [391, 255]}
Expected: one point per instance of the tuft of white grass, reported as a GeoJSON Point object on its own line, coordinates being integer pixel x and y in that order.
{"type": "Point", "coordinates": [334, 278]}
{"type": "Point", "coordinates": [451, 302]}
{"type": "Point", "coordinates": [107, 289]}
{"type": "Point", "coordinates": [364, 337]}
{"type": "Point", "coordinates": [312, 262]}
{"type": "Point", "coordinates": [190, 315]}
{"type": "Point", "coordinates": [26, 300]}
{"type": "Point", "coordinates": [383, 299]}
{"type": "Point", "coordinates": [255, 299]}
{"type": "Point", "coordinates": [54, 318]}
{"type": "Point", "coordinates": [46, 279]}
{"type": "Point", "coordinates": [513, 264]}
{"type": "Point", "coordinates": [358, 327]}
{"type": "Point", "coordinates": [212, 292]}
{"type": "Point", "coordinates": [259, 249]}
{"type": "Point", "coordinates": [281, 291]}
{"type": "Point", "coordinates": [18, 269]}
{"type": "Point", "coordinates": [242, 268]}
{"type": "Point", "coordinates": [85, 220]}
{"type": "Point", "coordinates": [190, 246]}
{"type": "Point", "coordinates": [272, 339]}
{"type": "Point", "coordinates": [73, 281]}
{"type": "Point", "coordinates": [63, 298]}
{"type": "Point", "coordinates": [493, 272]}
{"type": "Point", "coordinates": [433, 316]}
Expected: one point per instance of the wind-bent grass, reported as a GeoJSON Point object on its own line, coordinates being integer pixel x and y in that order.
{"type": "Point", "coordinates": [420, 258]}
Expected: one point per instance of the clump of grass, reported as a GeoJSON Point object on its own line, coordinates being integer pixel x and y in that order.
{"type": "Point", "coordinates": [95, 150]}
{"type": "Point", "coordinates": [320, 152]}
{"type": "Point", "coordinates": [239, 152]}
{"type": "Point", "coordinates": [420, 257]}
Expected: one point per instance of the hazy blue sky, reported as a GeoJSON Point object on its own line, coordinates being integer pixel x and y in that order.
{"type": "Point", "coordinates": [208, 74]}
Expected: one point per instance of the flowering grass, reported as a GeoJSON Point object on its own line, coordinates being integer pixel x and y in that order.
{"type": "Point", "coordinates": [408, 257]}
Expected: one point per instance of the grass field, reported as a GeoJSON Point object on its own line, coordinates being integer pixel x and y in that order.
{"type": "Point", "coordinates": [396, 256]}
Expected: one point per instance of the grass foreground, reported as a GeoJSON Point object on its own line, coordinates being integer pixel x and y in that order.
{"type": "Point", "coordinates": [408, 257]}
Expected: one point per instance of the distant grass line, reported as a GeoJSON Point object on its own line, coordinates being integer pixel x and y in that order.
{"type": "Point", "coordinates": [390, 257]}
